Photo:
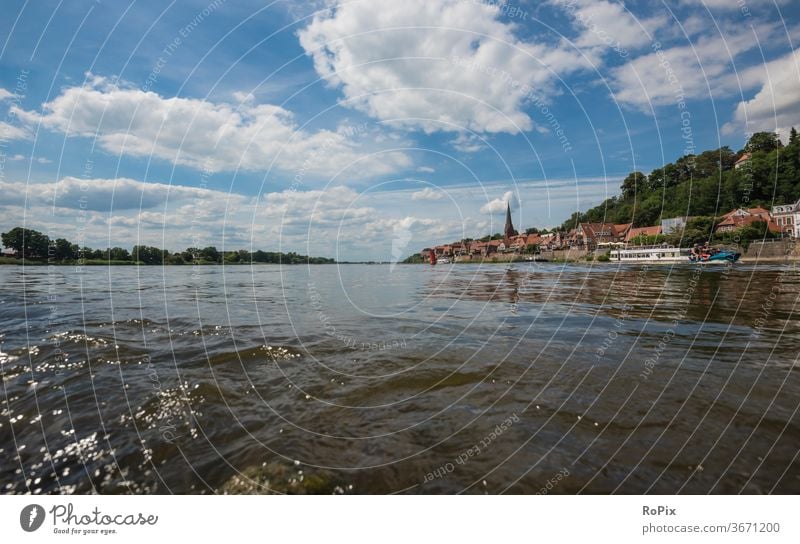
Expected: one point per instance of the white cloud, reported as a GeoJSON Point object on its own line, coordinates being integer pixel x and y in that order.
{"type": "Point", "coordinates": [733, 5]}
{"type": "Point", "coordinates": [5, 94]}
{"type": "Point", "coordinates": [499, 205]}
{"type": "Point", "coordinates": [105, 195]}
{"type": "Point", "coordinates": [243, 97]}
{"type": "Point", "coordinates": [426, 169]}
{"type": "Point", "coordinates": [607, 25]}
{"type": "Point", "coordinates": [438, 65]}
{"type": "Point", "coordinates": [203, 134]}
{"type": "Point", "coordinates": [427, 194]}
{"type": "Point", "coordinates": [43, 160]}
{"type": "Point", "coordinates": [776, 106]}
{"type": "Point", "coordinates": [467, 143]}
{"type": "Point", "coordinates": [703, 69]}
{"type": "Point", "coordinates": [16, 157]}
{"type": "Point", "coordinates": [10, 132]}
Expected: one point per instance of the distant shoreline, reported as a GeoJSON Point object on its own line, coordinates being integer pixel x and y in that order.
{"type": "Point", "coordinates": [26, 262]}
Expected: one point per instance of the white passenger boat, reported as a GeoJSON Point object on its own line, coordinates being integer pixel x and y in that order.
{"type": "Point", "coordinates": [650, 254]}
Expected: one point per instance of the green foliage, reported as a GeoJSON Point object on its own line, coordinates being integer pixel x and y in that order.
{"type": "Point", "coordinates": [148, 254]}
{"type": "Point", "coordinates": [763, 141]}
{"type": "Point", "coordinates": [37, 246]}
{"type": "Point", "coordinates": [704, 185]}
{"type": "Point", "coordinates": [63, 250]}
{"type": "Point", "coordinates": [119, 254]}
{"type": "Point", "coordinates": [531, 248]}
{"type": "Point", "coordinates": [647, 239]}
{"type": "Point", "coordinates": [631, 183]}
{"type": "Point", "coordinates": [29, 243]}
{"type": "Point", "coordinates": [210, 254]}
{"type": "Point", "coordinates": [416, 258]}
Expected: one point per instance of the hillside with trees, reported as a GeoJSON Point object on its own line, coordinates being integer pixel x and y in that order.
{"type": "Point", "coordinates": [705, 186]}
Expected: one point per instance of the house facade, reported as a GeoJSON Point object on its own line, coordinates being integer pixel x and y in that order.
{"type": "Point", "coordinates": [741, 161]}
{"type": "Point", "coordinates": [592, 235]}
{"type": "Point", "coordinates": [741, 217]}
{"type": "Point", "coordinates": [787, 217]}
{"type": "Point", "coordinates": [642, 231]}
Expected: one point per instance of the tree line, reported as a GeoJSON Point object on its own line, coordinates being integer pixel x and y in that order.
{"type": "Point", "coordinates": [37, 246]}
{"type": "Point", "coordinates": [704, 187]}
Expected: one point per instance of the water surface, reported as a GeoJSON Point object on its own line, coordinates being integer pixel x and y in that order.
{"type": "Point", "coordinates": [411, 379]}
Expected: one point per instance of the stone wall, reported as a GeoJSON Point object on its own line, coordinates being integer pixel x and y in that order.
{"type": "Point", "coordinates": [572, 254]}
{"type": "Point", "coordinates": [772, 251]}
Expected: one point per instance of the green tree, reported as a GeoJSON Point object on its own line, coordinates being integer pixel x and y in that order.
{"type": "Point", "coordinates": [29, 243]}
{"type": "Point", "coordinates": [148, 254]}
{"type": "Point", "coordinates": [119, 254]}
{"type": "Point", "coordinates": [763, 141]}
{"type": "Point", "coordinates": [210, 253]}
{"type": "Point", "coordinates": [633, 182]}
{"type": "Point", "coordinates": [63, 250]}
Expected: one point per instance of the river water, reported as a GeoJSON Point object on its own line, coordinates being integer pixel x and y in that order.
{"type": "Point", "coordinates": [539, 378]}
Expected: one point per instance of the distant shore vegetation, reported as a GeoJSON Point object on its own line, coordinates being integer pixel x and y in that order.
{"type": "Point", "coordinates": [705, 186]}
{"type": "Point", "coordinates": [34, 247]}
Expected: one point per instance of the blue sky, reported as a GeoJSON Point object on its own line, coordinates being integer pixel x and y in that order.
{"type": "Point", "coordinates": [366, 129]}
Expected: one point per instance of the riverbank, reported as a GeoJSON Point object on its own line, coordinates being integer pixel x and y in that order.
{"type": "Point", "coordinates": [10, 261]}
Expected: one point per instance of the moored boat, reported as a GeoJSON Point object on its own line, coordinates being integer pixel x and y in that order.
{"type": "Point", "coordinates": [650, 254]}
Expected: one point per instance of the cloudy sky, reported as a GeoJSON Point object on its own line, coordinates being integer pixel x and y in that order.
{"type": "Point", "coordinates": [366, 129]}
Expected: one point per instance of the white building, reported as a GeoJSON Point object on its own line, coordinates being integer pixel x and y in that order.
{"type": "Point", "coordinates": [788, 218]}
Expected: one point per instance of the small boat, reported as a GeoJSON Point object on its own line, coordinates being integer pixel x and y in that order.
{"type": "Point", "coordinates": [716, 256]}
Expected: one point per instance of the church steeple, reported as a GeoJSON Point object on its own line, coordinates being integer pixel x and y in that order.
{"type": "Point", "coordinates": [509, 230]}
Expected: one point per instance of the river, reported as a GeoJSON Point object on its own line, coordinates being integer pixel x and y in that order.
{"type": "Point", "coordinates": [536, 378]}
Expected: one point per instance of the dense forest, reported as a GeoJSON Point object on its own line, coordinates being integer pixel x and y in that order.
{"type": "Point", "coordinates": [36, 246]}
{"type": "Point", "coordinates": [705, 186]}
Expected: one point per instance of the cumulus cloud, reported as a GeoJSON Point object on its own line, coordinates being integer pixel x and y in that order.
{"type": "Point", "coordinates": [703, 69]}
{"type": "Point", "coordinates": [437, 65]}
{"type": "Point", "coordinates": [776, 105]}
{"type": "Point", "coordinates": [106, 195]}
{"type": "Point", "coordinates": [427, 194]}
{"type": "Point", "coordinates": [207, 135]}
{"type": "Point", "coordinates": [5, 94]}
{"type": "Point", "coordinates": [467, 143]}
{"type": "Point", "coordinates": [11, 132]}
{"type": "Point", "coordinates": [302, 211]}
{"type": "Point", "coordinates": [498, 205]}
{"type": "Point", "coordinates": [728, 5]}
{"type": "Point", "coordinates": [604, 25]}
{"type": "Point", "coordinates": [426, 169]}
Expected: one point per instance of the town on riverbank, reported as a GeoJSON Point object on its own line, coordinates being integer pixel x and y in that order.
{"type": "Point", "coordinates": [677, 205]}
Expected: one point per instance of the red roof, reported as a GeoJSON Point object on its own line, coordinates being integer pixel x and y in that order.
{"type": "Point", "coordinates": [738, 221]}
{"type": "Point", "coordinates": [647, 231]}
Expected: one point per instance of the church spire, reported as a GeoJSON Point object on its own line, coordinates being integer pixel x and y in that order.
{"type": "Point", "coordinates": [509, 230]}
